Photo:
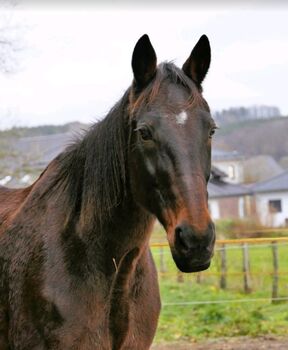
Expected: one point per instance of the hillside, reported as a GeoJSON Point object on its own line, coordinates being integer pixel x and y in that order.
{"type": "Point", "coordinates": [255, 137]}
{"type": "Point", "coordinates": [28, 150]}
{"type": "Point", "coordinates": [17, 132]}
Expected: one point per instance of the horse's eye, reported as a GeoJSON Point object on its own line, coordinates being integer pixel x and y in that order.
{"type": "Point", "coordinates": [145, 133]}
{"type": "Point", "coordinates": [212, 132]}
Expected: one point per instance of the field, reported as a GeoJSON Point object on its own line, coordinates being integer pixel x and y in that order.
{"type": "Point", "coordinates": [196, 308]}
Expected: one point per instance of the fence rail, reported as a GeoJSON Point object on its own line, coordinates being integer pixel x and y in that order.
{"type": "Point", "coordinates": [233, 241]}
{"type": "Point", "coordinates": [244, 268]}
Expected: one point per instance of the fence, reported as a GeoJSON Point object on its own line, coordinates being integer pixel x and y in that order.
{"type": "Point", "coordinates": [241, 265]}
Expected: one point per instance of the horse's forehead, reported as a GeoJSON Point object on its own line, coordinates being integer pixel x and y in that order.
{"type": "Point", "coordinates": [176, 105]}
{"type": "Point", "coordinates": [173, 99]}
{"type": "Point", "coordinates": [175, 94]}
{"type": "Point", "coordinates": [171, 106]}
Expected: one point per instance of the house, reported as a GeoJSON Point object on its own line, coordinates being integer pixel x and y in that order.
{"type": "Point", "coordinates": [229, 162]}
{"type": "Point", "coordinates": [41, 150]}
{"type": "Point", "coordinates": [241, 169]}
{"type": "Point", "coordinates": [260, 168]}
{"type": "Point", "coordinates": [271, 200]}
{"type": "Point", "coordinates": [31, 155]}
{"type": "Point", "coordinates": [267, 200]}
{"type": "Point", "coordinates": [228, 200]}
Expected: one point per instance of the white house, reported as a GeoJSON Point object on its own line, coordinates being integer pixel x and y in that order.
{"type": "Point", "coordinates": [271, 199]}
{"type": "Point", "coordinates": [229, 162]}
{"type": "Point", "coordinates": [227, 200]}
{"type": "Point", "coordinates": [267, 200]}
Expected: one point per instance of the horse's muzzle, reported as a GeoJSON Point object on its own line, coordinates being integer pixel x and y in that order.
{"type": "Point", "coordinates": [193, 250]}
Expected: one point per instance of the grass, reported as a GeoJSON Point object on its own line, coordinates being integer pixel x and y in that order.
{"type": "Point", "coordinates": [196, 322]}
{"type": "Point", "coordinates": [236, 318]}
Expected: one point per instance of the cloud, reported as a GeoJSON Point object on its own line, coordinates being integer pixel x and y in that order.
{"type": "Point", "coordinates": [250, 56]}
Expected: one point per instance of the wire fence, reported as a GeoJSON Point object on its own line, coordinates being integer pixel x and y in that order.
{"type": "Point", "coordinates": [253, 266]}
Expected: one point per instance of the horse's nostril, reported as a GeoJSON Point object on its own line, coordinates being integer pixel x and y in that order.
{"type": "Point", "coordinates": [180, 238]}
{"type": "Point", "coordinates": [189, 240]}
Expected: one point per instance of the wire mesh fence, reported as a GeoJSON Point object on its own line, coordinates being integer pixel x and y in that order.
{"type": "Point", "coordinates": [256, 267]}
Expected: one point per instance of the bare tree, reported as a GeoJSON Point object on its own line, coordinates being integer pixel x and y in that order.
{"type": "Point", "coordinates": [10, 45]}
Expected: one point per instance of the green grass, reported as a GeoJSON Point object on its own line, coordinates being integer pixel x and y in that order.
{"type": "Point", "coordinates": [195, 322]}
{"type": "Point", "coordinates": [236, 318]}
{"type": "Point", "coordinates": [261, 268]}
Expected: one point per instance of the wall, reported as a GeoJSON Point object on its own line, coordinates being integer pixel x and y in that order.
{"type": "Point", "coordinates": [227, 207]}
{"type": "Point", "coordinates": [272, 219]}
{"type": "Point", "coordinates": [232, 207]}
{"type": "Point", "coordinates": [214, 209]}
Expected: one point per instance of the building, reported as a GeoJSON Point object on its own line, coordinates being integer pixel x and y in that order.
{"type": "Point", "coordinates": [260, 168]}
{"type": "Point", "coordinates": [230, 163]}
{"type": "Point", "coordinates": [267, 200]}
{"type": "Point", "coordinates": [228, 200]}
{"type": "Point", "coordinates": [241, 169]}
{"type": "Point", "coordinates": [271, 200]}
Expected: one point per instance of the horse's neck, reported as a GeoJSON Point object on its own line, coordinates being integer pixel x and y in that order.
{"type": "Point", "coordinates": [89, 249]}
{"type": "Point", "coordinates": [128, 227]}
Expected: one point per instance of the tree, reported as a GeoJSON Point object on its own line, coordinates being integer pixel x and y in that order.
{"type": "Point", "coordinates": [10, 45]}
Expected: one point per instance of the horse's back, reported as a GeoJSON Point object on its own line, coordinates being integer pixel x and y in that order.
{"type": "Point", "coordinates": [10, 202]}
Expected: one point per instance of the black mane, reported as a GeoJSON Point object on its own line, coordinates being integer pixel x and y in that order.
{"type": "Point", "coordinates": [92, 171]}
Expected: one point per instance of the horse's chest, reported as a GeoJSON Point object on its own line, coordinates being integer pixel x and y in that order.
{"type": "Point", "coordinates": [84, 337]}
{"type": "Point", "coordinates": [85, 326]}
{"type": "Point", "coordinates": [81, 326]}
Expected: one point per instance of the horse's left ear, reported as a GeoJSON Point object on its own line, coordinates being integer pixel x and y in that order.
{"type": "Point", "coordinates": [197, 65]}
{"type": "Point", "coordinates": [144, 61]}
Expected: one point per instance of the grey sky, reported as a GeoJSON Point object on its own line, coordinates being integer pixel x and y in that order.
{"type": "Point", "coordinates": [76, 63]}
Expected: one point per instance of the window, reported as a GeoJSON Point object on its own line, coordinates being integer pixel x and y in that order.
{"type": "Point", "coordinates": [231, 171]}
{"type": "Point", "coordinates": [275, 206]}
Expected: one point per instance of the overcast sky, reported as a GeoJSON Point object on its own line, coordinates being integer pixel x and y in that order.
{"type": "Point", "coordinates": [76, 61]}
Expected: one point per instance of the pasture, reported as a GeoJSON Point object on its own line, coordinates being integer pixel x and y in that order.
{"type": "Point", "coordinates": [195, 307]}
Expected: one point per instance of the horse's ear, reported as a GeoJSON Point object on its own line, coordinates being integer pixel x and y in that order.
{"type": "Point", "coordinates": [144, 61]}
{"type": "Point", "coordinates": [197, 65]}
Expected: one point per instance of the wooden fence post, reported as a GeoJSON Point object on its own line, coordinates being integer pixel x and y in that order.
{"type": "Point", "coordinates": [275, 278]}
{"type": "Point", "coordinates": [180, 278]}
{"type": "Point", "coordinates": [163, 267]}
{"type": "Point", "coordinates": [223, 267]}
{"type": "Point", "coordinates": [198, 277]}
{"type": "Point", "coordinates": [246, 269]}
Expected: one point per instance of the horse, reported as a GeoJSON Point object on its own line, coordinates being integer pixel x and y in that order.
{"type": "Point", "coordinates": [76, 271]}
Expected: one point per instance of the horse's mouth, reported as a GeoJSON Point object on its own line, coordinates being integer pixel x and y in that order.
{"type": "Point", "coordinates": [197, 268]}
{"type": "Point", "coordinates": [188, 267]}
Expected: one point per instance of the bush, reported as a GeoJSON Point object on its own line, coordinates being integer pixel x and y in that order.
{"type": "Point", "coordinates": [238, 228]}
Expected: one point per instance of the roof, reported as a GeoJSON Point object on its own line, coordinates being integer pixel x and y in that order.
{"type": "Point", "coordinates": [219, 189]}
{"type": "Point", "coordinates": [260, 168]}
{"type": "Point", "coordinates": [277, 183]}
{"type": "Point", "coordinates": [217, 173]}
{"type": "Point", "coordinates": [223, 155]}
{"type": "Point", "coordinates": [40, 150]}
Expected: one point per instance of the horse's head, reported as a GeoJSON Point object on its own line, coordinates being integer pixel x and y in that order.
{"type": "Point", "coordinates": [170, 155]}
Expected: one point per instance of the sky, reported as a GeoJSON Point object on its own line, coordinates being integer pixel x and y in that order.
{"type": "Point", "coordinates": [75, 61]}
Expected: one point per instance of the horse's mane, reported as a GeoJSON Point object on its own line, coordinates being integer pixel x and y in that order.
{"type": "Point", "coordinates": [93, 170]}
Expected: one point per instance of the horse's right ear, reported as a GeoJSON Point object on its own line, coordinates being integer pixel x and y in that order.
{"type": "Point", "coordinates": [144, 61]}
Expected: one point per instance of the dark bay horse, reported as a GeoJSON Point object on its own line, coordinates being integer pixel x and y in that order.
{"type": "Point", "coordinates": [76, 271]}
